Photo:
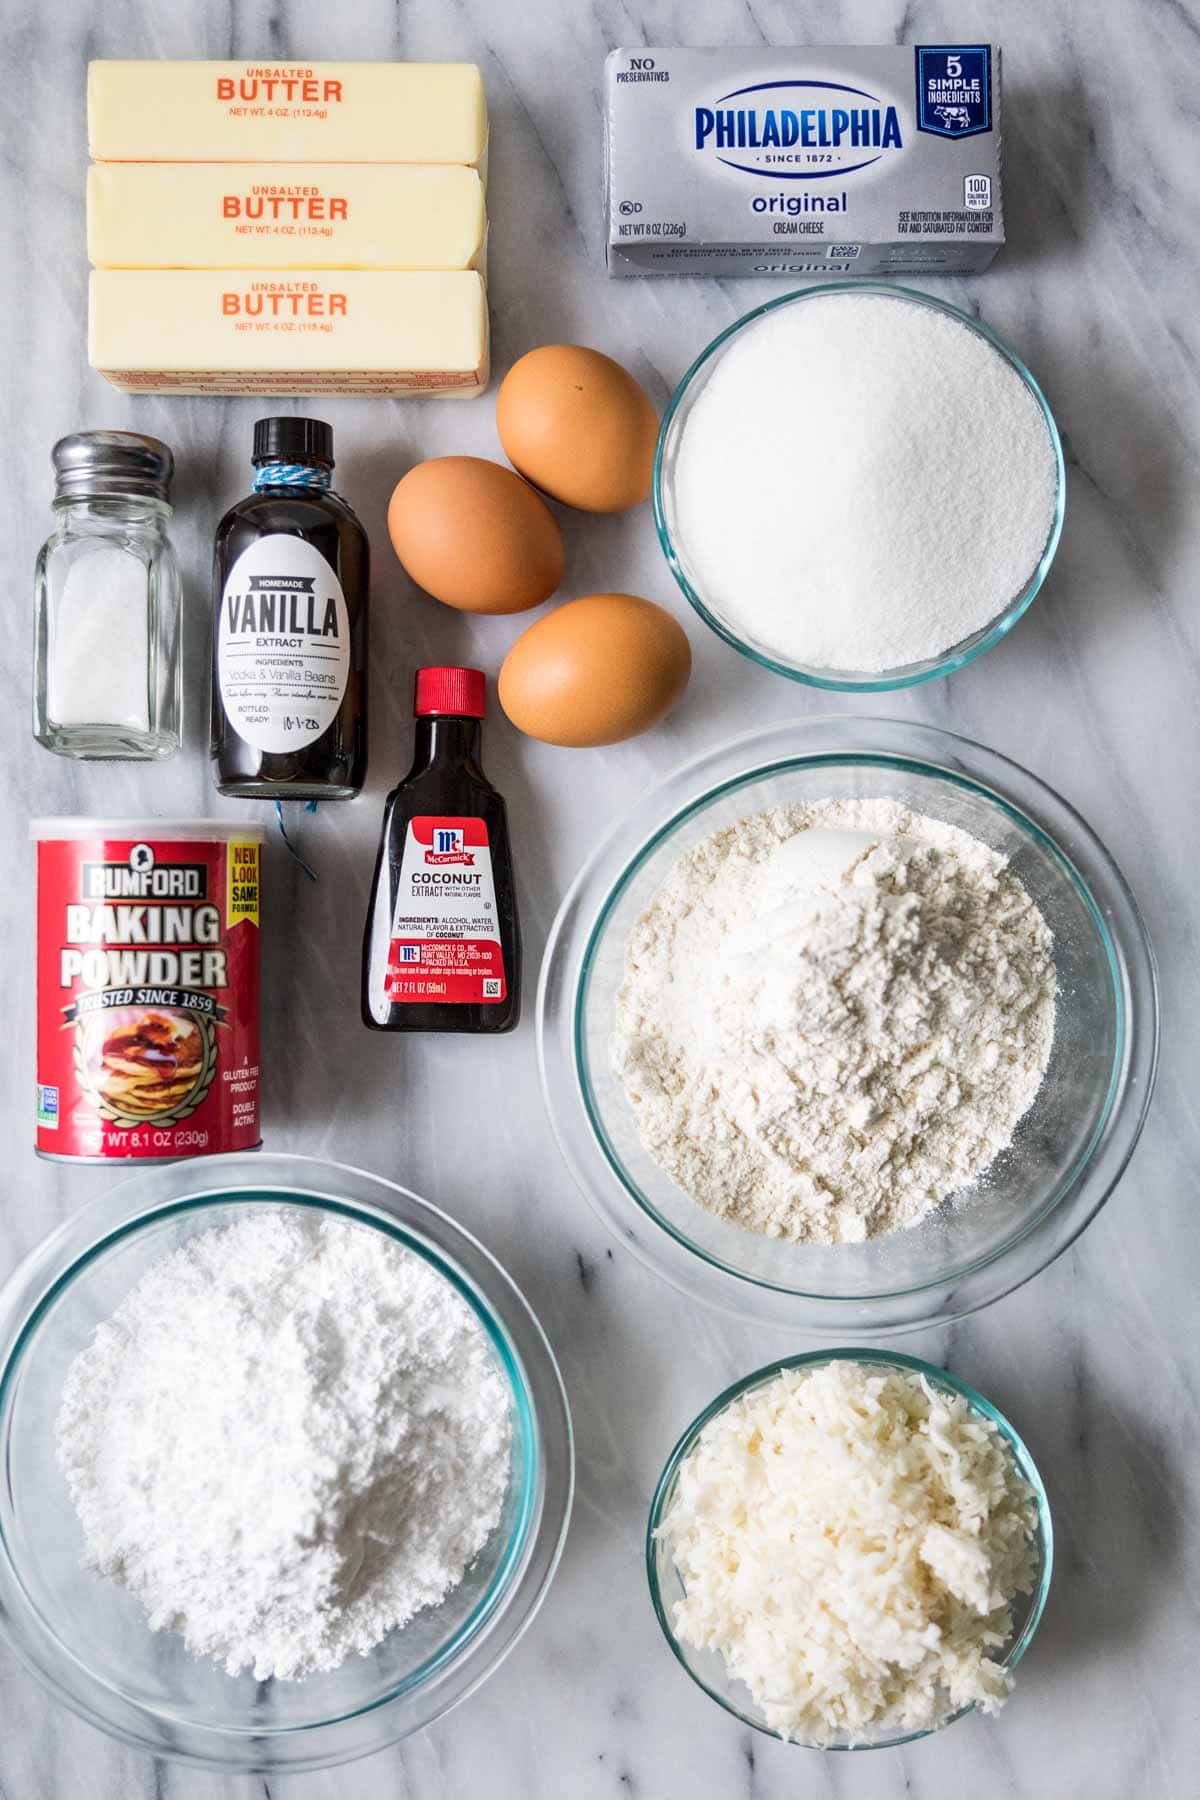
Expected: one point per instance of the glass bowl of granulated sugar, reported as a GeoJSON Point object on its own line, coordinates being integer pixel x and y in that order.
{"type": "Point", "coordinates": [859, 486]}
{"type": "Point", "coordinates": [851, 1024]}
{"type": "Point", "coordinates": [287, 1463]}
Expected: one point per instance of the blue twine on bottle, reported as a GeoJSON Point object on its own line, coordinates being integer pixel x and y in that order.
{"type": "Point", "coordinates": [289, 474]}
{"type": "Point", "coordinates": [311, 807]}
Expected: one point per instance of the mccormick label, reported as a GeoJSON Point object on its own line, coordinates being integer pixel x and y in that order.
{"type": "Point", "coordinates": [804, 161]}
{"type": "Point", "coordinates": [148, 994]}
{"type": "Point", "coordinates": [445, 943]}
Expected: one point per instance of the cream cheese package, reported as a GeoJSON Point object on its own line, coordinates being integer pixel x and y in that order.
{"type": "Point", "coordinates": [285, 215]}
{"type": "Point", "coordinates": [232, 331]}
{"type": "Point", "coordinates": [803, 161]}
{"type": "Point", "coordinates": [375, 112]}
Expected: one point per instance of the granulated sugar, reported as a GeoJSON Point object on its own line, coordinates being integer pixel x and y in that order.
{"type": "Point", "coordinates": [863, 483]}
{"type": "Point", "coordinates": [833, 1017]}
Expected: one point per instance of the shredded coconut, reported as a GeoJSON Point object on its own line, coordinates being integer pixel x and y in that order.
{"type": "Point", "coordinates": [833, 1017]}
{"type": "Point", "coordinates": [290, 1437]}
{"type": "Point", "coordinates": [862, 483]}
{"type": "Point", "coordinates": [850, 1540]}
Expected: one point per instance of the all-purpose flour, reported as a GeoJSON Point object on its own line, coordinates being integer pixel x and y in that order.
{"type": "Point", "coordinates": [863, 483]}
{"type": "Point", "coordinates": [290, 1437]}
{"type": "Point", "coordinates": [833, 1017]}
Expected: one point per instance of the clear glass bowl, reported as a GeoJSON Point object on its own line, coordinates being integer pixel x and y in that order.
{"type": "Point", "coordinates": [666, 457]}
{"type": "Point", "coordinates": [88, 1640]}
{"type": "Point", "coordinates": [1071, 1147]}
{"type": "Point", "coordinates": [707, 1667]}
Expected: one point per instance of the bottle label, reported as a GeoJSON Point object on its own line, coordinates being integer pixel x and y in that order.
{"type": "Point", "coordinates": [445, 944]}
{"type": "Point", "coordinates": [283, 644]}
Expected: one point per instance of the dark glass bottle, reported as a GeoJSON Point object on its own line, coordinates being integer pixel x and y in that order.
{"type": "Point", "coordinates": [442, 950]}
{"type": "Point", "coordinates": [290, 577]}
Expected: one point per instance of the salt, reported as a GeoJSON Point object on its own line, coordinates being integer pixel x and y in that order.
{"type": "Point", "coordinates": [106, 673]}
{"type": "Point", "coordinates": [99, 650]}
{"type": "Point", "coordinates": [863, 483]}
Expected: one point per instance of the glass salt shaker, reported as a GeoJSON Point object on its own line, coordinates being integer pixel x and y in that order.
{"type": "Point", "coordinates": [106, 653]}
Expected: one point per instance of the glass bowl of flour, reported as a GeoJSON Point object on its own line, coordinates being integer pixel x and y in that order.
{"type": "Point", "coordinates": [852, 1024]}
{"type": "Point", "coordinates": [287, 1463]}
{"type": "Point", "coordinates": [859, 486]}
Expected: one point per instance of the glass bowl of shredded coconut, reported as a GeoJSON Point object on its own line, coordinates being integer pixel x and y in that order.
{"type": "Point", "coordinates": [850, 1550]}
{"type": "Point", "coordinates": [287, 1461]}
{"type": "Point", "coordinates": [859, 486]}
{"type": "Point", "coordinates": [850, 1024]}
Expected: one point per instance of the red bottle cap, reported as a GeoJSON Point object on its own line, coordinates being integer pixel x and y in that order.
{"type": "Point", "coordinates": [459, 691]}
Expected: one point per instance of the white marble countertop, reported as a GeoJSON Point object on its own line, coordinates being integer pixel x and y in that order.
{"type": "Point", "coordinates": [1097, 1361]}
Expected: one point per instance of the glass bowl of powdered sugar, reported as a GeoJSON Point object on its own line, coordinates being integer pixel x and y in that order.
{"type": "Point", "coordinates": [852, 1024]}
{"type": "Point", "coordinates": [859, 486]}
{"type": "Point", "coordinates": [287, 1463]}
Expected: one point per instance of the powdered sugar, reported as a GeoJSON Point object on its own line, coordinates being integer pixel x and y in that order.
{"type": "Point", "coordinates": [290, 1437]}
{"type": "Point", "coordinates": [833, 1017]}
{"type": "Point", "coordinates": [863, 483]}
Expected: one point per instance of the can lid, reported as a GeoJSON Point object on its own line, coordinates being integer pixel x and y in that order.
{"type": "Point", "coordinates": [462, 692]}
{"type": "Point", "coordinates": [229, 831]}
{"type": "Point", "coordinates": [111, 463]}
{"type": "Point", "coordinates": [289, 439]}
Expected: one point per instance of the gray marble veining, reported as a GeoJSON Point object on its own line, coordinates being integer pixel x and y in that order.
{"type": "Point", "coordinates": [1098, 1361]}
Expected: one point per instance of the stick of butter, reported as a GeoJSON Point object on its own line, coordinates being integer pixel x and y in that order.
{"type": "Point", "coordinates": [286, 112]}
{"type": "Point", "coordinates": [231, 331]}
{"type": "Point", "coordinates": [284, 216]}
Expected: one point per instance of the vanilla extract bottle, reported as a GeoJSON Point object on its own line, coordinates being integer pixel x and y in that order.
{"type": "Point", "coordinates": [290, 578]}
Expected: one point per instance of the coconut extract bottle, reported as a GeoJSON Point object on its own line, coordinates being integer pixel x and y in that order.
{"type": "Point", "coordinates": [442, 950]}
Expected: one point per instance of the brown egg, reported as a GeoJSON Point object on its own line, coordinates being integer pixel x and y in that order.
{"type": "Point", "coordinates": [595, 671]}
{"type": "Point", "coordinates": [475, 535]}
{"type": "Point", "coordinates": [579, 427]}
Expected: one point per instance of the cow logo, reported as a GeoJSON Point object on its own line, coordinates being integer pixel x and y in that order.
{"type": "Point", "coordinates": [954, 118]}
{"type": "Point", "coordinates": [954, 89]}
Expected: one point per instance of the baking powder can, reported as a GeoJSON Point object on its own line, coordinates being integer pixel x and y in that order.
{"type": "Point", "coordinates": [147, 988]}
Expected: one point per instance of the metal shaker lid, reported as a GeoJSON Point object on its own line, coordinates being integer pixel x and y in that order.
{"type": "Point", "coordinates": [113, 463]}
